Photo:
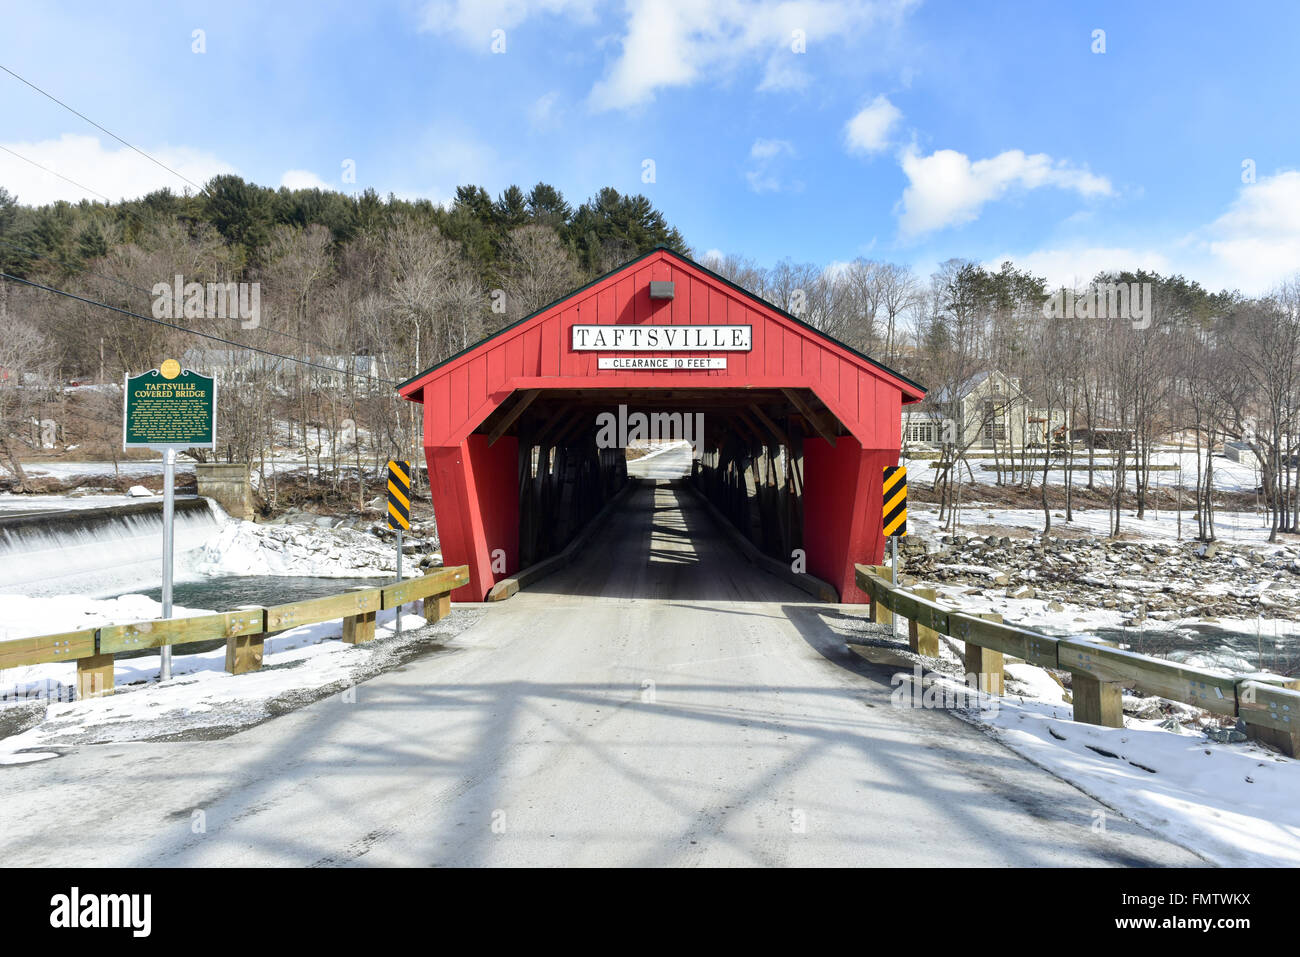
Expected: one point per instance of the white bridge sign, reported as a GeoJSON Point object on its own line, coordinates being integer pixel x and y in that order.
{"type": "Point", "coordinates": [662, 339]}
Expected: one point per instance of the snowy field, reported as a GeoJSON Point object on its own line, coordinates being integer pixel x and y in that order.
{"type": "Point", "coordinates": [1229, 476]}
{"type": "Point", "coordinates": [1237, 527]}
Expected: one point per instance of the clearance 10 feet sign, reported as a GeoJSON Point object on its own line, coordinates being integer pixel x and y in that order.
{"type": "Point", "coordinates": [170, 408]}
{"type": "Point", "coordinates": [596, 338]}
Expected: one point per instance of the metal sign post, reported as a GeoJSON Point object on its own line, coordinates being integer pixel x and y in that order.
{"type": "Point", "coordinates": [893, 515]}
{"type": "Point", "coordinates": [169, 409]}
{"type": "Point", "coordinates": [399, 578]}
{"type": "Point", "coordinates": [169, 541]}
{"type": "Point", "coordinates": [893, 549]}
{"type": "Point", "coordinates": [399, 512]}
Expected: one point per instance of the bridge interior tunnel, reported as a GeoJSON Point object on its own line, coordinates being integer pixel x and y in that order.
{"type": "Point", "coordinates": [775, 462]}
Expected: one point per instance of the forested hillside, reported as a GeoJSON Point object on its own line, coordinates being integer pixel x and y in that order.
{"type": "Point", "coordinates": [355, 293]}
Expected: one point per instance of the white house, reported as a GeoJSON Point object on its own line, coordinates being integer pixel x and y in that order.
{"type": "Point", "coordinates": [987, 411]}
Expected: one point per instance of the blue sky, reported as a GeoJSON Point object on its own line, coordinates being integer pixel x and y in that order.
{"type": "Point", "coordinates": [908, 131]}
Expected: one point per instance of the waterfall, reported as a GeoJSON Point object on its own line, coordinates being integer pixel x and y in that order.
{"type": "Point", "coordinates": [95, 551]}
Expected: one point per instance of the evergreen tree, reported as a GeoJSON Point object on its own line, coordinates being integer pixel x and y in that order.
{"type": "Point", "coordinates": [241, 212]}
{"type": "Point", "coordinates": [91, 242]}
{"type": "Point", "coordinates": [511, 210]}
{"type": "Point", "coordinates": [546, 207]}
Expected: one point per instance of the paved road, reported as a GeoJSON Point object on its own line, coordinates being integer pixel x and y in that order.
{"type": "Point", "coordinates": [669, 464]}
{"type": "Point", "coordinates": [660, 702]}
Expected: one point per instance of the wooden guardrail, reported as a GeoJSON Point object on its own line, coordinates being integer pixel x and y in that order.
{"type": "Point", "coordinates": [1268, 704]}
{"type": "Point", "coordinates": [244, 629]}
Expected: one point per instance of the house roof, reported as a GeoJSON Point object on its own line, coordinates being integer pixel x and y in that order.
{"type": "Point", "coordinates": [970, 384]}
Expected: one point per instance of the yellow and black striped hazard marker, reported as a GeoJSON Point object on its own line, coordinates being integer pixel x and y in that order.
{"type": "Point", "coordinates": [894, 499]}
{"type": "Point", "coordinates": [399, 494]}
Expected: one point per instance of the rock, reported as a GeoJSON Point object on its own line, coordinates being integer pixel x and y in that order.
{"type": "Point", "coordinates": [1001, 578]}
{"type": "Point", "coordinates": [1055, 605]}
{"type": "Point", "coordinates": [1206, 550]}
{"type": "Point", "coordinates": [1225, 735]}
{"type": "Point", "coordinates": [1023, 591]}
{"type": "Point", "coordinates": [1172, 724]}
{"type": "Point", "coordinates": [1148, 709]}
{"type": "Point", "coordinates": [139, 491]}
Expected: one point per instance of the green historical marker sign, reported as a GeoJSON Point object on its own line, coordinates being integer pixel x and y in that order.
{"type": "Point", "coordinates": [170, 408]}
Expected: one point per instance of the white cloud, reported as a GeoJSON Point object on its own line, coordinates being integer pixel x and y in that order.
{"type": "Point", "coordinates": [543, 112]}
{"type": "Point", "coordinates": [474, 20]}
{"type": "Point", "coordinates": [765, 162]}
{"type": "Point", "coordinates": [667, 43]}
{"type": "Point", "coordinates": [1256, 243]}
{"type": "Point", "coordinates": [767, 149]}
{"type": "Point", "coordinates": [947, 189]}
{"type": "Point", "coordinates": [116, 173]}
{"type": "Point", "coordinates": [671, 43]}
{"type": "Point", "coordinates": [1253, 246]}
{"type": "Point", "coordinates": [869, 131]}
{"type": "Point", "coordinates": [303, 179]}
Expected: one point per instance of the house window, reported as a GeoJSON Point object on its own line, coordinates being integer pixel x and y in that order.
{"type": "Point", "coordinates": [921, 432]}
{"type": "Point", "coordinates": [995, 426]}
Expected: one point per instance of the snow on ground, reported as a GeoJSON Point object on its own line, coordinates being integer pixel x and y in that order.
{"type": "Point", "coordinates": [201, 694]}
{"type": "Point", "coordinates": [25, 616]}
{"type": "Point", "coordinates": [60, 469]}
{"type": "Point", "coordinates": [1234, 804]}
{"type": "Point", "coordinates": [1229, 476]}
{"type": "Point", "coordinates": [245, 548]}
{"type": "Point", "coordinates": [1236, 527]}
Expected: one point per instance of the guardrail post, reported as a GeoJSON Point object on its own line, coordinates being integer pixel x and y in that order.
{"type": "Point", "coordinates": [1288, 742]}
{"type": "Point", "coordinates": [879, 613]}
{"type": "Point", "coordinates": [94, 676]}
{"type": "Point", "coordinates": [360, 627]}
{"type": "Point", "coordinates": [244, 652]}
{"type": "Point", "coordinates": [921, 639]}
{"type": "Point", "coordinates": [985, 666]}
{"type": "Point", "coordinates": [437, 607]}
{"type": "Point", "coordinates": [1097, 702]}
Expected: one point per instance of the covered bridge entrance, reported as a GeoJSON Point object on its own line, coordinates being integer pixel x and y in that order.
{"type": "Point", "coordinates": [791, 427]}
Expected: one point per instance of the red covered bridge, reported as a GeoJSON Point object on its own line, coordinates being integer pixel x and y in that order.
{"type": "Point", "coordinates": [797, 426]}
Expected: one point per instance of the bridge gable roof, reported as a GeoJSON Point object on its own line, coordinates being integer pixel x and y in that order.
{"type": "Point", "coordinates": [536, 352]}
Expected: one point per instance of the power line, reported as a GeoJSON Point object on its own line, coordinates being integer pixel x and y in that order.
{"type": "Point", "coordinates": [193, 332]}
{"type": "Point", "coordinates": [140, 289]}
{"type": "Point", "coordinates": [108, 131]}
{"type": "Point", "coordinates": [59, 175]}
